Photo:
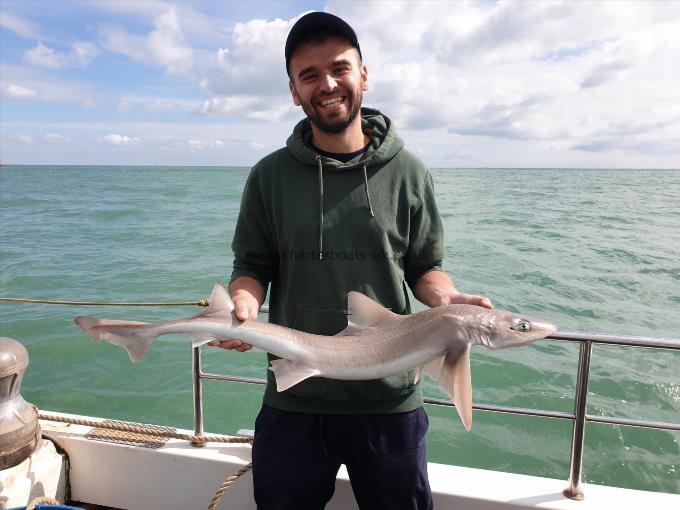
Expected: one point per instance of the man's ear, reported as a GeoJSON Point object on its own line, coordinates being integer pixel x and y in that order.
{"type": "Point", "coordinates": [364, 78]}
{"type": "Point", "coordinates": [293, 92]}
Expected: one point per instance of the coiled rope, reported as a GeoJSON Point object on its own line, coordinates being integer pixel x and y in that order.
{"type": "Point", "coordinates": [139, 428]}
{"type": "Point", "coordinates": [202, 302]}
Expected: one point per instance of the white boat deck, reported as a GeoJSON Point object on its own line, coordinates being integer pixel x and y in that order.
{"type": "Point", "coordinates": [181, 476]}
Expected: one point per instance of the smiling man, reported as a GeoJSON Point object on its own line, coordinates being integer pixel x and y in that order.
{"type": "Point", "coordinates": [328, 81]}
{"type": "Point", "coordinates": [342, 207]}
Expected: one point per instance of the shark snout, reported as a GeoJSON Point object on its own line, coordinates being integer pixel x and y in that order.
{"type": "Point", "coordinates": [514, 331]}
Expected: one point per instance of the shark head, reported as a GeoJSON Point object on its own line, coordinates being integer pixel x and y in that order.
{"type": "Point", "coordinates": [507, 329]}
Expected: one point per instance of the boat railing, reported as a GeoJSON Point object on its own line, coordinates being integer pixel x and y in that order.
{"type": "Point", "coordinates": [579, 416]}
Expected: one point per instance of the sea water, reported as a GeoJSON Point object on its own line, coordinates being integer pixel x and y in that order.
{"type": "Point", "coordinates": [591, 250]}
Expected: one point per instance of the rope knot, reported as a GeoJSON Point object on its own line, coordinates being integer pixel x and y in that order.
{"type": "Point", "coordinates": [198, 440]}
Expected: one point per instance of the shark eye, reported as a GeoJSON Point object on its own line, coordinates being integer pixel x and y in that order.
{"type": "Point", "coordinates": [522, 325]}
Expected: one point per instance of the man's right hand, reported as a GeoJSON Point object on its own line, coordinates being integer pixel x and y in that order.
{"type": "Point", "coordinates": [244, 294]}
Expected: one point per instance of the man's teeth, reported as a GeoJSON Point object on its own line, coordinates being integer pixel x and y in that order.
{"type": "Point", "coordinates": [332, 101]}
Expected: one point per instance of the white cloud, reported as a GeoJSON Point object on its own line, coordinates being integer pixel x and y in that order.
{"type": "Point", "coordinates": [269, 109]}
{"type": "Point", "coordinates": [160, 105]}
{"type": "Point", "coordinates": [164, 46]}
{"type": "Point", "coordinates": [25, 139]}
{"type": "Point", "coordinates": [19, 25]}
{"type": "Point", "coordinates": [124, 106]}
{"type": "Point", "coordinates": [83, 53]}
{"type": "Point", "coordinates": [18, 92]}
{"type": "Point", "coordinates": [202, 144]}
{"type": "Point", "coordinates": [255, 63]}
{"type": "Point", "coordinates": [39, 85]}
{"type": "Point", "coordinates": [56, 138]}
{"type": "Point", "coordinates": [165, 43]}
{"type": "Point", "coordinates": [118, 140]}
{"type": "Point", "coordinates": [199, 26]}
{"type": "Point", "coordinates": [225, 105]}
{"type": "Point", "coordinates": [207, 145]}
{"type": "Point", "coordinates": [43, 56]}
{"type": "Point", "coordinates": [576, 75]}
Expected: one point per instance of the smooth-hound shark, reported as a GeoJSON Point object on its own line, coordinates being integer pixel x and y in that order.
{"type": "Point", "coordinates": [376, 343]}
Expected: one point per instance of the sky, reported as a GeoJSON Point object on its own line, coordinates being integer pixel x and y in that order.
{"type": "Point", "coordinates": [467, 84]}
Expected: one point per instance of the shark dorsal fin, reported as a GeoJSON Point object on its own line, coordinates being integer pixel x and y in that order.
{"type": "Point", "coordinates": [220, 305]}
{"type": "Point", "coordinates": [363, 312]}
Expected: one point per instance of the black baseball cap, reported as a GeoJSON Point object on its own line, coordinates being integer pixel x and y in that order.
{"type": "Point", "coordinates": [318, 22]}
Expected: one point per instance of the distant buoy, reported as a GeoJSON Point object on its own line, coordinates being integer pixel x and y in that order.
{"type": "Point", "coordinates": [20, 431]}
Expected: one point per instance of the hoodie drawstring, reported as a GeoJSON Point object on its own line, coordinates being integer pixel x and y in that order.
{"type": "Point", "coordinates": [318, 160]}
{"type": "Point", "coordinates": [368, 196]}
{"type": "Point", "coordinates": [368, 199]}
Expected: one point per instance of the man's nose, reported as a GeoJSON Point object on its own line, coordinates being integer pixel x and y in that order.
{"type": "Point", "coordinates": [328, 83]}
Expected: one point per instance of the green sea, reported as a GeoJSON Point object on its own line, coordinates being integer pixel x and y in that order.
{"type": "Point", "coordinates": [591, 250]}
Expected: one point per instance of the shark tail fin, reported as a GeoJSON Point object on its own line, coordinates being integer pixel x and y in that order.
{"type": "Point", "coordinates": [134, 337]}
{"type": "Point", "coordinates": [452, 371]}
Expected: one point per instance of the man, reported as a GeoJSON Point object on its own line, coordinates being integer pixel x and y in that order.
{"type": "Point", "coordinates": [343, 207]}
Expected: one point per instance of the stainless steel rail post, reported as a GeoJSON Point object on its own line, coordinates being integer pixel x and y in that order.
{"type": "Point", "coordinates": [198, 392]}
{"type": "Point", "coordinates": [578, 438]}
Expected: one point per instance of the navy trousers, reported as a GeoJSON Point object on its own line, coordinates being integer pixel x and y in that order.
{"type": "Point", "coordinates": [296, 457]}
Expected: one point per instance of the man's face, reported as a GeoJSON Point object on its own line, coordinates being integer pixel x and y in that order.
{"type": "Point", "coordinates": [328, 81]}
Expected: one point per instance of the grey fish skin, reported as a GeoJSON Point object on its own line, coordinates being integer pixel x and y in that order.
{"type": "Point", "coordinates": [376, 343]}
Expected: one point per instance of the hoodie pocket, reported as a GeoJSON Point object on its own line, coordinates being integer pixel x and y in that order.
{"type": "Point", "coordinates": [330, 322]}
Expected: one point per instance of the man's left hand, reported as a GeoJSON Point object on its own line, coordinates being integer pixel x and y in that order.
{"type": "Point", "coordinates": [435, 289]}
{"type": "Point", "coordinates": [470, 299]}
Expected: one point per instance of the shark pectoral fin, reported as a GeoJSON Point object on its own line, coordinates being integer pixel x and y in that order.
{"type": "Point", "coordinates": [453, 373]}
{"type": "Point", "coordinates": [459, 370]}
{"type": "Point", "coordinates": [432, 369]}
{"type": "Point", "coordinates": [288, 373]}
{"type": "Point", "coordinates": [200, 339]}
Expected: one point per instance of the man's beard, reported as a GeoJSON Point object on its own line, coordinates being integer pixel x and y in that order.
{"type": "Point", "coordinates": [339, 125]}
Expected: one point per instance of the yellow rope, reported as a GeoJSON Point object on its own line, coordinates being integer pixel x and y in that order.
{"type": "Point", "coordinates": [228, 483]}
{"type": "Point", "coordinates": [202, 302]}
{"type": "Point", "coordinates": [138, 428]}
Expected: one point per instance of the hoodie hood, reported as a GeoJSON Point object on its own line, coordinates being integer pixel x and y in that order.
{"type": "Point", "coordinates": [385, 143]}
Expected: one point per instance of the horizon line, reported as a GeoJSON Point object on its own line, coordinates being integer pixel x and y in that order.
{"type": "Point", "coordinates": [4, 164]}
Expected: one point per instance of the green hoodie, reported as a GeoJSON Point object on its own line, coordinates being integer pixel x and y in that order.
{"type": "Point", "coordinates": [316, 228]}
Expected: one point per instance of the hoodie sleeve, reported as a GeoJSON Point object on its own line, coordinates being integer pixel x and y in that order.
{"type": "Point", "coordinates": [426, 237]}
{"type": "Point", "coordinates": [253, 246]}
